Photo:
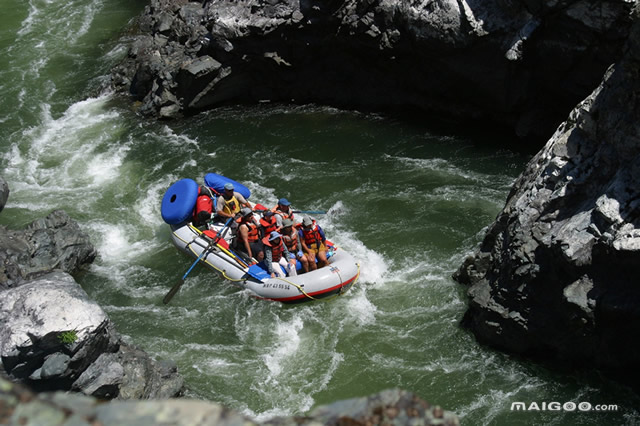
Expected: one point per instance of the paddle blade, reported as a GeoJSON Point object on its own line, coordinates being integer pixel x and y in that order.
{"type": "Point", "coordinates": [172, 292]}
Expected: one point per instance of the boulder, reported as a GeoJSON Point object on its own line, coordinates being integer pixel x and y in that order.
{"type": "Point", "coordinates": [556, 275]}
{"type": "Point", "coordinates": [51, 329]}
{"type": "Point", "coordinates": [52, 336]}
{"type": "Point", "coordinates": [129, 374]}
{"type": "Point", "coordinates": [54, 242]}
{"type": "Point", "coordinates": [519, 64]}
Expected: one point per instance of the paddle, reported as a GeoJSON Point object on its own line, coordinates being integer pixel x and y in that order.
{"type": "Point", "coordinates": [177, 286]}
{"type": "Point", "coordinates": [309, 211]}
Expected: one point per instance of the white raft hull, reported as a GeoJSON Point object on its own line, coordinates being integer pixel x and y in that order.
{"type": "Point", "coordinates": [334, 279]}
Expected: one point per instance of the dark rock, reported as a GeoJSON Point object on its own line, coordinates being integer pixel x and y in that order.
{"type": "Point", "coordinates": [522, 64]}
{"type": "Point", "coordinates": [556, 275]}
{"type": "Point", "coordinates": [54, 366]}
{"type": "Point", "coordinates": [129, 374]}
{"type": "Point", "coordinates": [4, 193]}
{"type": "Point", "coordinates": [55, 242]}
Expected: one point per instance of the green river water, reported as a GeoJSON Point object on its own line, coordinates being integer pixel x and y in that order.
{"type": "Point", "coordinates": [409, 200]}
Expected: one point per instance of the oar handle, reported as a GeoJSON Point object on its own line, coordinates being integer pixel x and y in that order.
{"type": "Point", "coordinates": [184, 277]}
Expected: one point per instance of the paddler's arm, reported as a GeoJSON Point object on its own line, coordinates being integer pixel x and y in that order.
{"type": "Point", "coordinates": [244, 231]}
{"type": "Point", "coordinates": [220, 208]}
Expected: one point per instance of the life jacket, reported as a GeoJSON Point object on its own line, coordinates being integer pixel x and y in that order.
{"type": "Point", "coordinates": [291, 241]}
{"type": "Point", "coordinates": [253, 234]}
{"type": "Point", "coordinates": [268, 225]}
{"type": "Point", "coordinates": [276, 251]}
{"type": "Point", "coordinates": [284, 215]}
{"type": "Point", "coordinates": [312, 236]}
{"type": "Point", "coordinates": [231, 206]}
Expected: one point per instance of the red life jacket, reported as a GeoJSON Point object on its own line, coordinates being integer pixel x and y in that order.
{"type": "Point", "coordinates": [312, 236]}
{"type": "Point", "coordinates": [276, 252]}
{"type": "Point", "coordinates": [268, 225]}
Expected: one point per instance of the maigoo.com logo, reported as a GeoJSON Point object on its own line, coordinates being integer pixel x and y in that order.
{"type": "Point", "coordinates": [557, 406]}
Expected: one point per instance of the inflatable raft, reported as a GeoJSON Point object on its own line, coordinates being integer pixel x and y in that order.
{"type": "Point", "coordinates": [213, 246]}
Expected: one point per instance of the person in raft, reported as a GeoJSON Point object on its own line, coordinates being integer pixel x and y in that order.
{"type": "Point", "coordinates": [276, 255]}
{"type": "Point", "coordinates": [313, 243]}
{"type": "Point", "coordinates": [282, 211]}
{"type": "Point", "coordinates": [268, 224]}
{"type": "Point", "coordinates": [230, 203]}
{"type": "Point", "coordinates": [291, 239]}
{"type": "Point", "coordinates": [248, 237]}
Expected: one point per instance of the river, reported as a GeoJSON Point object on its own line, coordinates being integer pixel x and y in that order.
{"type": "Point", "coordinates": [409, 199]}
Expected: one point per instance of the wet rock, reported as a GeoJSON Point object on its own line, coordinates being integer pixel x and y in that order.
{"type": "Point", "coordinates": [129, 374]}
{"type": "Point", "coordinates": [556, 275]}
{"type": "Point", "coordinates": [520, 64]}
{"type": "Point", "coordinates": [54, 242]}
{"type": "Point", "coordinates": [4, 193]}
{"type": "Point", "coordinates": [53, 336]}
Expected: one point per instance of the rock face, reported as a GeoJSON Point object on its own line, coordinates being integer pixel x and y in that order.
{"type": "Point", "coordinates": [556, 276]}
{"type": "Point", "coordinates": [55, 242]}
{"type": "Point", "coordinates": [524, 64]}
{"type": "Point", "coordinates": [19, 406]}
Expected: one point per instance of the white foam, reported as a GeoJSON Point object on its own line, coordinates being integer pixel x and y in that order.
{"type": "Point", "coordinates": [360, 309]}
{"type": "Point", "coordinates": [66, 154]}
{"type": "Point", "coordinates": [121, 243]}
{"type": "Point", "coordinates": [287, 343]}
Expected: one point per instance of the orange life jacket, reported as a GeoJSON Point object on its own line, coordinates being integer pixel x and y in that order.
{"type": "Point", "coordinates": [252, 228]}
{"type": "Point", "coordinates": [291, 241]}
{"type": "Point", "coordinates": [284, 215]}
{"type": "Point", "coordinates": [312, 236]}
{"type": "Point", "coordinates": [276, 251]}
{"type": "Point", "coordinates": [268, 225]}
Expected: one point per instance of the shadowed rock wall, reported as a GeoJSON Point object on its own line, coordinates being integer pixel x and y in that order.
{"type": "Point", "coordinates": [523, 64]}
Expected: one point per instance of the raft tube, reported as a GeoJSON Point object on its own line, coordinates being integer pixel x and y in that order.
{"type": "Point", "coordinates": [217, 182]}
{"type": "Point", "coordinates": [178, 202]}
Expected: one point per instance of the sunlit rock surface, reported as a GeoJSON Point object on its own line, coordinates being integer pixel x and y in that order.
{"type": "Point", "coordinates": [556, 276]}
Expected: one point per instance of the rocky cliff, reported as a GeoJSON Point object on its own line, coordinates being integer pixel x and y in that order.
{"type": "Point", "coordinates": [556, 276]}
{"type": "Point", "coordinates": [523, 64]}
